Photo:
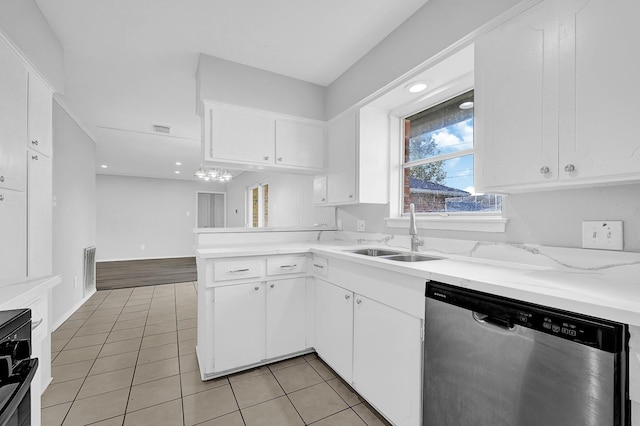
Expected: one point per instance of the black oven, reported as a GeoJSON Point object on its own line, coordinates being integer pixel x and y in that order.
{"type": "Point", "coordinates": [17, 368]}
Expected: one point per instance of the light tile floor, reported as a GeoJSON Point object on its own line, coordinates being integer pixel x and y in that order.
{"type": "Point", "coordinates": [127, 357]}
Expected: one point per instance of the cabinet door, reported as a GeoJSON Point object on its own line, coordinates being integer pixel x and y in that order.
{"type": "Point", "coordinates": [516, 107]}
{"type": "Point", "coordinates": [320, 190]}
{"type": "Point", "coordinates": [39, 222]}
{"type": "Point", "coordinates": [40, 116]}
{"type": "Point", "coordinates": [341, 168]}
{"type": "Point", "coordinates": [13, 229]}
{"type": "Point", "coordinates": [334, 327]}
{"type": "Point", "coordinates": [387, 356]}
{"type": "Point", "coordinates": [299, 144]}
{"type": "Point", "coordinates": [239, 330]}
{"type": "Point", "coordinates": [13, 120]}
{"type": "Point", "coordinates": [240, 136]}
{"type": "Point", "coordinates": [598, 87]}
{"type": "Point", "coordinates": [286, 316]}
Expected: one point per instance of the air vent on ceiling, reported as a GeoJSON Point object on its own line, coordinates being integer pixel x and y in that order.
{"type": "Point", "coordinates": [158, 128]}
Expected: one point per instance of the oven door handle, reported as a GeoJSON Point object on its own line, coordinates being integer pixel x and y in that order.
{"type": "Point", "coordinates": [7, 411]}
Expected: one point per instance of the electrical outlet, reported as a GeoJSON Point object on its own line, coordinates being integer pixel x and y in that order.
{"type": "Point", "coordinates": [602, 234]}
{"type": "Point", "coordinates": [360, 225]}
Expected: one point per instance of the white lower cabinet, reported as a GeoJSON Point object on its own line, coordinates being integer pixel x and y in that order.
{"type": "Point", "coordinates": [285, 316]}
{"type": "Point", "coordinates": [634, 374]}
{"type": "Point", "coordinates": [387, 349]}
{"type": "Point", "coordinates": [239, 312]}
{"type": "Point", "coordinates": [334, 327]}
{"type": "Point", "coordinates": [376, 348]}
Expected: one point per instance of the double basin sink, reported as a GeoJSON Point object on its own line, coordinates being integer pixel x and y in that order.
{"type": "Point", "coordinates": [393, 255]}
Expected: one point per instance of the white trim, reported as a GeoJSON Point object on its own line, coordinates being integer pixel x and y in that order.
{"type": "Point", "coordinates": [65, 107]}
{"type": "Point", "coordinates": [71, 311]}
{"type": "Point", "coordinates": [472, 223]}
{"type": "Point", "coordinates": [145, 258]}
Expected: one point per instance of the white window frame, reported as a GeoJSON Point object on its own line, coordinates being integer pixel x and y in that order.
{"type": "Point", "coordinates": [454, 221]}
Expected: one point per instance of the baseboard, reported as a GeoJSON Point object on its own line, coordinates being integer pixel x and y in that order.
{"type": "Point", "coordinates": [72, 310]}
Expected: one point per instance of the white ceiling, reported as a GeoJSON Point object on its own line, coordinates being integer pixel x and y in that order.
{"type": "Point", "coordinates": [131, 63]}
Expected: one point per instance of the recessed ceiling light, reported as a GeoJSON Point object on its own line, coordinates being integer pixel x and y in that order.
{"type": "Point", "coordinates": [416, 87]}
{"type": "Point", "coordinates": [178, 163]}
{"type": "Point", "coordinates": [104, 166]}
{"type": "Point", "coordinates": [177, 172]}
{"type": "Point", "coordinates": [466, 105]}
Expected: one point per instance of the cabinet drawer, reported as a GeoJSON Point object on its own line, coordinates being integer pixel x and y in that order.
{"type": "Point", "coordinates": [236, 270]}
{"type": "Point", "coordinates": [320, 266]}
{"type": "Point", "coordinates": [286, 265]}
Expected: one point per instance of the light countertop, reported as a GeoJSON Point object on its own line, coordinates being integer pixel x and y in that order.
{"type": "Point", "coordinates": [611, 292]}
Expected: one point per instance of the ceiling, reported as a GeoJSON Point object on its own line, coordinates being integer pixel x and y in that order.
{"type": "Point", "coordinates": [131, 63]}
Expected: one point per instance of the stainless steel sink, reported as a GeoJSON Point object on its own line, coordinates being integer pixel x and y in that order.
{"type": "Point", "coordinates": [375, 252]}
{"type": "Point", "coordinates": [411, 258]}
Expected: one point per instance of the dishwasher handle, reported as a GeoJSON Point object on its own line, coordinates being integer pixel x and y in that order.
{"type": "Point", "coordinates": [501, 323]}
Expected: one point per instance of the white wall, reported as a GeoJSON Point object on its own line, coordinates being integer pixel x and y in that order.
{"type": "Point", "coordinates": [290, 200]}
{"type": "Point", "coordinates": [74, 211]}
{"type": "Point", "coordinates": [551, 218]}
{"type": "Point", "coordinates": [236, 84]}
{"type": "Point", "coordinates": [434, 27]}
{"type": "Point", "coordinates": [157, 213]}
{"type": "Point", "coordinates": [25, 25]}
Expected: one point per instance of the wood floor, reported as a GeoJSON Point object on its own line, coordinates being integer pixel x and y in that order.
{"type": "Point", "coordinates": [139, 273]}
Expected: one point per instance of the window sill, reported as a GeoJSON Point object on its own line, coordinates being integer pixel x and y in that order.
{"type": "Point", "coordinates": [453, 223]}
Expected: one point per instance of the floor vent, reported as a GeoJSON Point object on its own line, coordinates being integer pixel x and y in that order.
{"type": "Point", "coordinates": [89, 274]}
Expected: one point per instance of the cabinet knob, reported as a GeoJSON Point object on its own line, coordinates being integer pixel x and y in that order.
{"type": "Point", "coordinates": [1, 197]}
{"type": "Point", "coordinates": [350, 196]}
{"type": "Point", "coordinates": [272, 285]}
{"type": "Point", "coordinates": [279, 158]}
{"type": "Point", "coordinates": [569, 168]}
{"type": "Point", "coordinates": [34, 157]}
{"type": "Point", "coordinates": [34, 143]}
{"type": "Point", "coordinates": [1, 178]}
{"type": "Point", "coordinates": [256, 288]}
{"type": "Point", "coordinates": [358, 301]}
{"type": "Point", "coordinates": [544, 170]}
{"type": "Point", "coordinates": [324, 199]}
{"type": "Point", "coordinates": [265, 158]}
{"type": "Point", "coordinates": [347, 297]}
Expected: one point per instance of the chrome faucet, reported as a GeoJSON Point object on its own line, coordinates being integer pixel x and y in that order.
{"type": "Point", "coordinates": [413, 230]}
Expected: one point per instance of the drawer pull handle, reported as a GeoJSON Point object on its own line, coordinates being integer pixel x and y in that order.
{"type": "Point", "coordinates": [272, 285]}
{"type": "Point", "coordinates": [239, 270]}
{"type": "Point", "coordinates": [36, 324]}
{"type": "Point", "coordinates": [347, 297]}
{"type": "Point", "coordinates": [265, 158]}
{"type": "Point", "coordinates": [544, 170]}
{"type": "Point", "coordinates": [358, 301]}
{"type": "Point", "coordinates": [256, 288]}
{"type": "Point", "coordinates": [34, 143]}
{"type": "Point", "coordinates": [288, 266]}
{"type": "Point", "coordinates": [569, 168]}
{"type": "Point", "coordinates": [318, 266]}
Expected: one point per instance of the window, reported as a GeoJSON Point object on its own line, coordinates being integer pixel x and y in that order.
{"type": "Point", "coordinates": [437, 168]}
{"type": "Point", "coordinates": [258, 202]}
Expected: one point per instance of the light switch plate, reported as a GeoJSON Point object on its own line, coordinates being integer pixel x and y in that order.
{"type": "Point", "coordinates": [360, 225]}
{"type": "Point", "coordinates": [602, 234]}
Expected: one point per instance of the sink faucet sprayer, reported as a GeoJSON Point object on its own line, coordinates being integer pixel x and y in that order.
{"type": "Point", "coordinates": [413, 230]}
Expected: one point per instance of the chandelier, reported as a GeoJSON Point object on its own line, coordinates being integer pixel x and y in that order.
{"type": "Point", "coordinates": [210, 174]}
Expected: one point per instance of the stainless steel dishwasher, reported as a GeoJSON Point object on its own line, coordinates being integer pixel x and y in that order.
{"type": "Point", "coordinates": [493, 361]}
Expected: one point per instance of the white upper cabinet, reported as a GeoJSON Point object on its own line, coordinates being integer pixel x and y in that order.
{"type": "Point", "coordinates": [13, 120]}
{"type": "Point", "coordinates": [244, 138]}
{"type": "Point", "coordinates": [555, 96]}
{"type": "Point", "coordinates": [238, 135]}
{"type": "Point", "coordinates": [299, 144]}
{"type": "Point", "coordinates": [40, 116]}
{"type": "Point", "coordinates": [39, 215]}
{"type": "Point", "coordinates": [599, 68]}
{"type": "Point", "coordinates": [516, 112]}
{"type": "Point", "coordinates": [358, 159]}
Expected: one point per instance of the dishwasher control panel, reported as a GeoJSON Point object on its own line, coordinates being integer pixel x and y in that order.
{"type": "Point", "coordinates": [509, 313]}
